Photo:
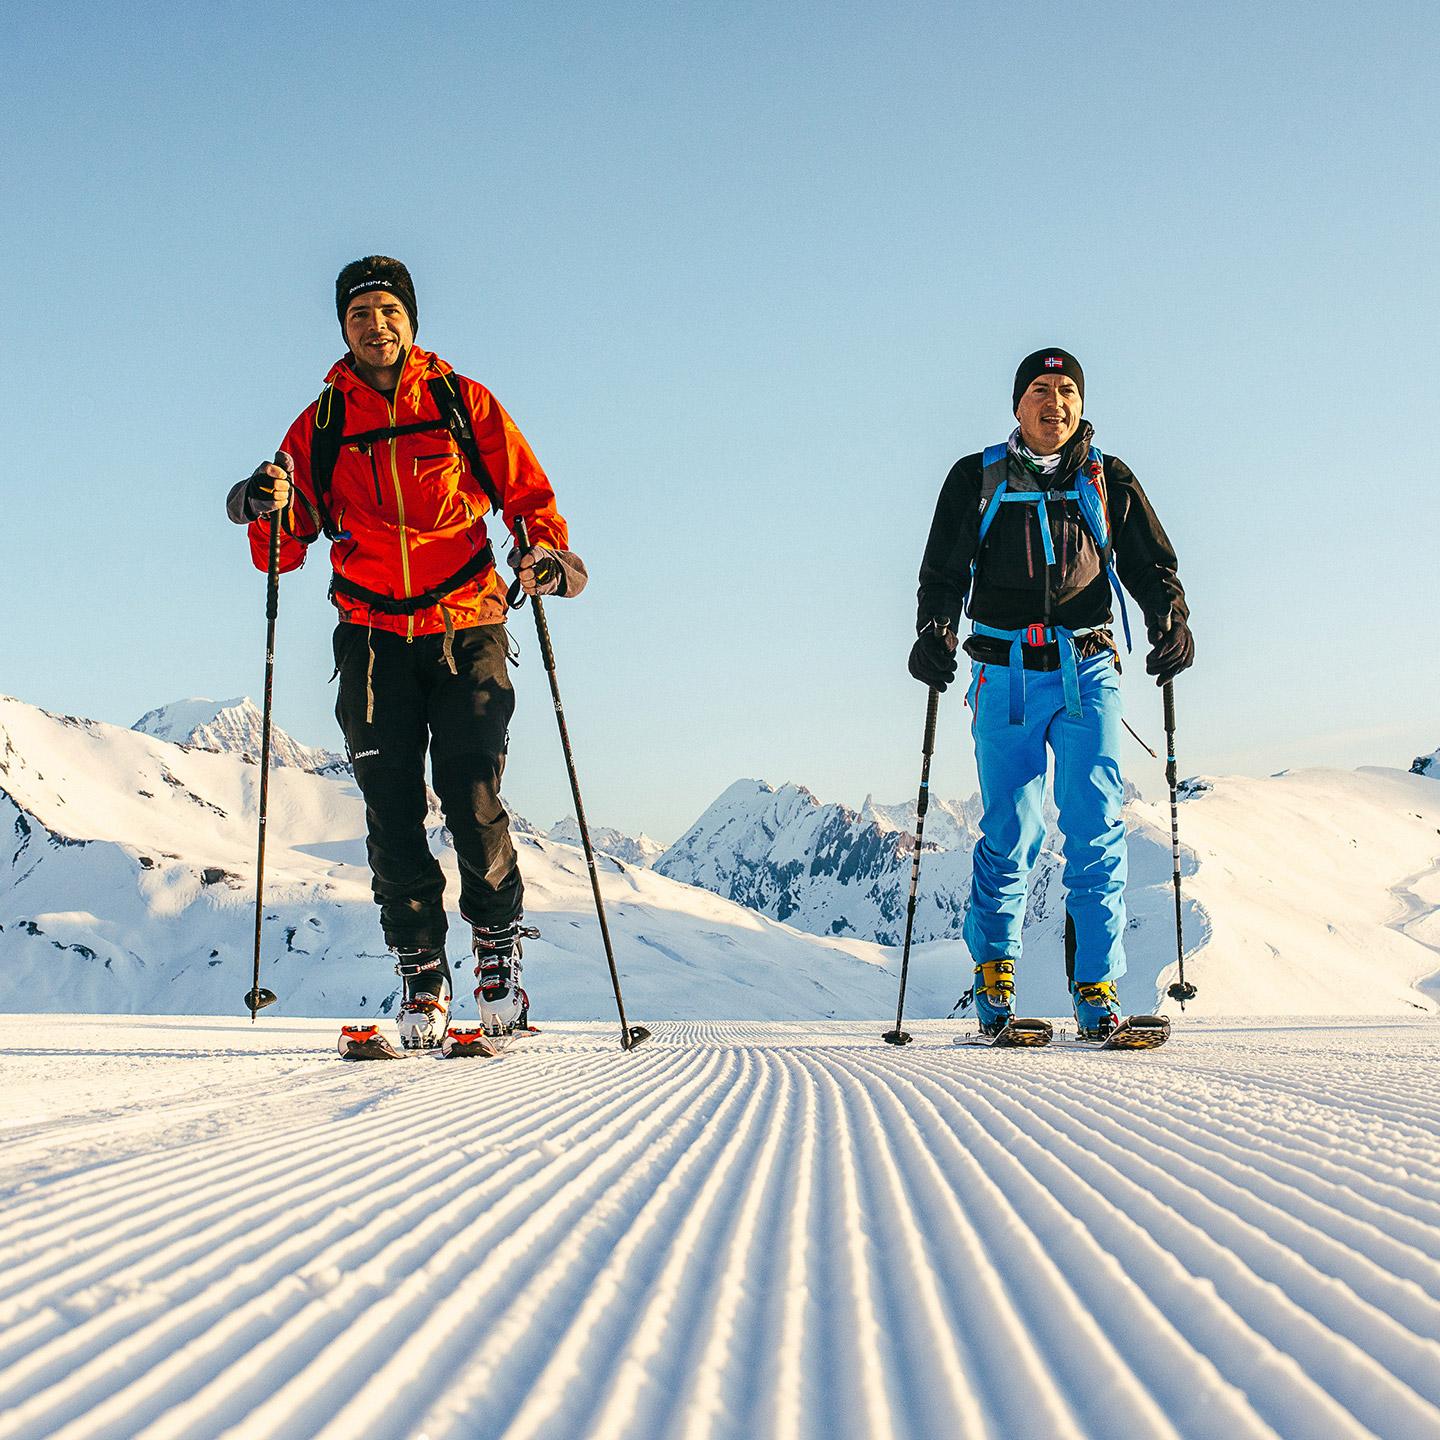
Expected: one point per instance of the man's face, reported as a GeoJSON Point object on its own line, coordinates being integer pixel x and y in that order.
{"type": "Point", "coordinates": [377, 329]}
{"type": "Point", "coordinates": [1049, 413]}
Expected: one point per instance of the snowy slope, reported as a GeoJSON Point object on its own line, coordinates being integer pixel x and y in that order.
{"type": "Point", "coordinates": [218, 1231]}
{"type": "Point", "coordinates": [126, 886]}
{"type": "Point", "coordinates": [234, 727]}
{"type": "Point", "coordinates": [1319, 891]}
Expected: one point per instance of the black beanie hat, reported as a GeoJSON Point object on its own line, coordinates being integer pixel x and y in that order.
{"type": "Point", "coordinates": [1047, 362]}
{"type": "Point", "coordinates": [375, 272]}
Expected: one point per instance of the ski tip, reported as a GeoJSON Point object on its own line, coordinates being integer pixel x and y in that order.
{"type": "Point", "coordinates": [635, 1035]}
{"type": "Point", "coordinates": [258, 998]}
{"type": "Point", "coordinates": [897, 1037]}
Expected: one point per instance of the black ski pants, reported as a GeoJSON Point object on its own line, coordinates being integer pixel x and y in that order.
{"type": "Point", "coordinates": [397, 699]}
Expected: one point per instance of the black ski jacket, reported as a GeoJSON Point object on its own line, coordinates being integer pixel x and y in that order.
{"type": "Point", "coordinates": [1013, 587]}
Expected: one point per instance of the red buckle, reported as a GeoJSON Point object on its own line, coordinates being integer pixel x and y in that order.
{"type": "Point", "coordinates": [1035, 635]}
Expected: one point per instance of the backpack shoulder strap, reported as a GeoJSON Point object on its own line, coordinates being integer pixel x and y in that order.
{"type": "Point", "coordinates": [1091, 497]}
{"type": "Point", "coordinates": [994, 468]}
{"type": "Point", "coordinates": [1093, 500]}
{"type": "Point", "coordinates": [456, 415]}
{"type": "Point", "coordinates": [325, 451]}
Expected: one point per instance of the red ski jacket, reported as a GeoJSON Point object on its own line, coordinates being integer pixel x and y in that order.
{"type": "Point", "coordinates": [411, 513]}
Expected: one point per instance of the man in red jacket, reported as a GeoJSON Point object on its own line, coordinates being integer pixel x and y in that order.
{"type": "Point", "coordinates": [383, 465]}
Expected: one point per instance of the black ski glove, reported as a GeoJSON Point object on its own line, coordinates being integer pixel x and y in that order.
{"type": "Point", "coordinates": [932, 656]}
{"type": "Point", "coordinates": [1172, 649]}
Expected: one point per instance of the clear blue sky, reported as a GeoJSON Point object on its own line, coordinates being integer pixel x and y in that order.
{"type": "Point", "coordinates": [750, 277]}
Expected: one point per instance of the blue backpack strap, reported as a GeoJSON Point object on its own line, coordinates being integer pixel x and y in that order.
{"type": "Point", "coordinates": [1090, 493]}
{"type": "Point", "coordinates": [1124, 608]}
{"type": "Point", "coordinates": [1034, 635]}
{"type": "Point", "coordinates": [994, 470]}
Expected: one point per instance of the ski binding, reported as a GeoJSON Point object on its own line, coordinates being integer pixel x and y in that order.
{"type": "Point", "coordinates": [1134, 1032]}
{"type": "Point", "coordinates": [470, 1041]}
{"type": "Point", "coordinates": [365, 1042]}
{"type": "Point", "coordinates": [1138, 1032]}
{"type": "Point", "coordinates": [1018, 1034]}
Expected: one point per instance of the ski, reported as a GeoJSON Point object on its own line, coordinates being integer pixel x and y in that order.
{"type": "Point", "coordinates": [1018, 1034]}
{"type": "Point", "coordinates": [1134, 1032]}
{"type": "Point", "coordinates": [365, 1042]}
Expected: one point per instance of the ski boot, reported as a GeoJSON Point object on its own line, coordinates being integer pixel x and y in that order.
{"type": "Point", "coordinates": [994, 995]}
{"type": "Point", "coordinates": [1097, 1009]}
{"type": "Point", "coordinates": [504, 1005]}
{"type": "Point", "coordinates": [425, 1007]}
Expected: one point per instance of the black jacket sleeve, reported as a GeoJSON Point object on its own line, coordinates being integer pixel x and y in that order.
{"type": "Point", "coordinates": [950, 550]}
{"type": "Point", "coordinates": [1144, 556]}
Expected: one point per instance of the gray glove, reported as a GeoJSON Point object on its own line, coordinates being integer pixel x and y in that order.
{"type": "Point", "coordinates": [270, 488]}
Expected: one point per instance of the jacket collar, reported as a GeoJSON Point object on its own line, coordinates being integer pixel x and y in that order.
{"type": "Point", "coordinates": [418, 366]}
{"type": "Point", "coordinates": [1075, 451]}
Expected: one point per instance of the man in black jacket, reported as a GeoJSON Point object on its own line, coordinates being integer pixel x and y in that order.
{"type": "Point", "coordinates": [1033, 533]}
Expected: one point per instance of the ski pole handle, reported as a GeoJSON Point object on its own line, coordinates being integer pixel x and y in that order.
{"type": "Point", "coordinates": [932, 713]}
{"type": "Point", "coordinates": [1170, 772]}
{"type": "Point", "coordinates": [515, 596]}
{"type": "Point", "coordinates": [272, 577]}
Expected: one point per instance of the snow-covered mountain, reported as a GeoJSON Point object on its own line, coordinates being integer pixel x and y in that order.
{"type": "Point", "coordinates": [127, 886]}
{"type": "Point", "coordinates": [836, 871]}
{"type": "Point", "coordinates": [632, 849]}
{"type": "Point", "coordinates": [1316, 891]}
{"type": "Point", "coordinates": [1427, 764]}
{"type": "Point", "coordinates": [233, 727]}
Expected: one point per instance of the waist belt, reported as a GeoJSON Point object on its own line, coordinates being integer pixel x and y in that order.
{"type": "Point", "coordinates": [482, 559]}
{"type": "Point", "coordinates": [1035, 636]}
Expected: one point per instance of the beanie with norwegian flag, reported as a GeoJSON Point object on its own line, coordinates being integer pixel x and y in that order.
{"type": "Point", "coordinates": [1047, 362]}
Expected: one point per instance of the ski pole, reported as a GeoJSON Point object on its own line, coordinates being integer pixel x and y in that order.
{"type": "Point", "coordinates": [1180, 991]}
{"type": "Point", "coordinates": [897, 1036]}
{"type": "Point", "coordinates": [258, 997]}
{"type": "Point", "coordinates": [630, 1035]}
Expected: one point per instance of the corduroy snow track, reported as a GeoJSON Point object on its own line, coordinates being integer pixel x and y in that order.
{"type": "Point", "coordinates": [738, 1230]}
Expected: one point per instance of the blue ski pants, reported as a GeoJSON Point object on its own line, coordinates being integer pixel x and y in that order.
{"type": "Point", "coordinates": [1011, 759]}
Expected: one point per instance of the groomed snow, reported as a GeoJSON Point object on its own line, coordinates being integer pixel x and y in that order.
{"type": "Point", "coordinates": [213, 1229]}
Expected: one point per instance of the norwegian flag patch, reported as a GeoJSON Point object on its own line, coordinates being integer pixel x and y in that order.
{"type": "Point", "coordinates": [1054, 362]}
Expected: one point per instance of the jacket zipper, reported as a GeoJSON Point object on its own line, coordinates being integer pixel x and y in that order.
{"type": "Point", "coordinates": [374, 475]}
